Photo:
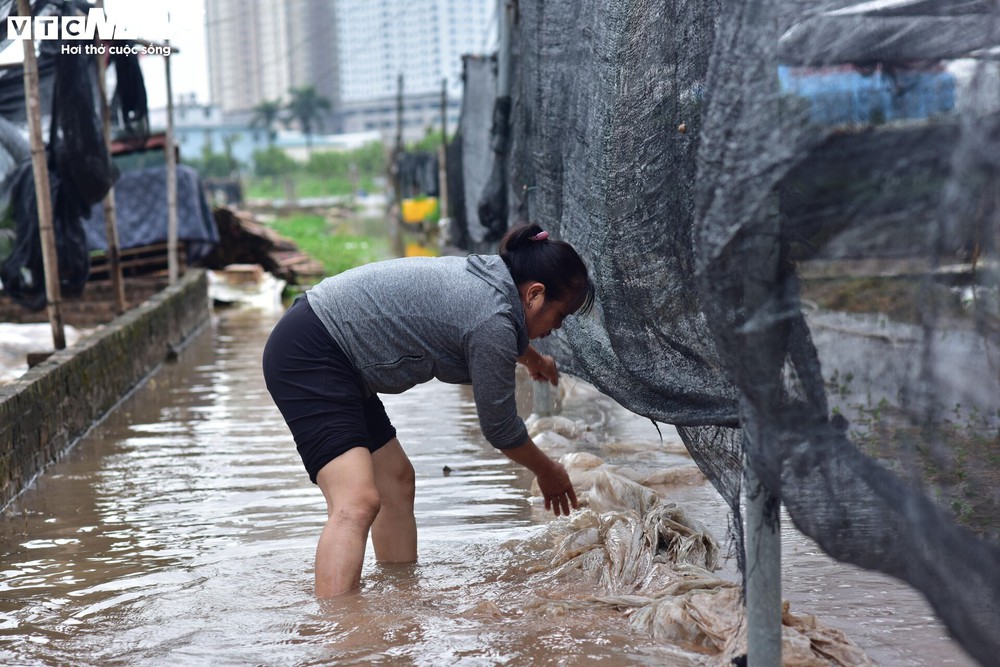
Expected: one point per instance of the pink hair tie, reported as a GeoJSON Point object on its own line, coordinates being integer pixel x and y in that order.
{"type": "Point", "coordinates": [540, 236]}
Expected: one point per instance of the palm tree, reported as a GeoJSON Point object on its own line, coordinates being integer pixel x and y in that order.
{"type": "Point", "coordinates": [307, 107]}
{"type": "Point", "coordinates": [265, 115]}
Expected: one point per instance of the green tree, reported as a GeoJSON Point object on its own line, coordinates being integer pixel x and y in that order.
{"type": "Point", "coordinates": [430, 142]}
{"type": "Point", "coordinates": [217, 165]}
{"type": "Point", "coordinates": [370, 159]}
{"type": "Point", "coordinates": [265, 115]}
{"type": "Point", "coordinates": [307, 107]}
{"type": "Point", "coordinates": [273, 162]}
{"type": "Point", "coordinates": [227, 142]}
{"type": "Point", "coordinates": [328, 164]}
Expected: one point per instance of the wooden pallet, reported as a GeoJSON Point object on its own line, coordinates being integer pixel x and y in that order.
{"type": "Point", "coordinates": [141, 261]}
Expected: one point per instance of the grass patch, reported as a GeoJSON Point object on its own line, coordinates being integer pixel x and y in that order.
{"type": "Point", "coordinates": [304, 185]}
{"type": "Point", "coordinates": [336, 251]}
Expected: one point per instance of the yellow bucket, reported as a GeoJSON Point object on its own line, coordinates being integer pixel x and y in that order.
{"type": "Point", "coordinates": [418, 250]}
{"type": "Point", "coordinates": [420, 209]}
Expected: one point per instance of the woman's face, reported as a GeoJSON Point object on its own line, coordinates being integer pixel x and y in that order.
{"type": "Point", "coordinates": [542, 316]}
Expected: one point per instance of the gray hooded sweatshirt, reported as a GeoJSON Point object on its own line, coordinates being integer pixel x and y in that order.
{"type": "Point", "coordinates": [457, 319]}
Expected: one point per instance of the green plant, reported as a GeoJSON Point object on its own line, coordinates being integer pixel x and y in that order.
{"type": "Point", "coordinates": [430, 142]}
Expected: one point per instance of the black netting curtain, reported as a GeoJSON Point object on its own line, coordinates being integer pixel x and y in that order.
{"type": "Point", "coordinates": [791, 211]}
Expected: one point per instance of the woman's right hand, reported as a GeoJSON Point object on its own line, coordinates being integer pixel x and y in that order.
{"type": "Point", "coordinates": [541, 367]}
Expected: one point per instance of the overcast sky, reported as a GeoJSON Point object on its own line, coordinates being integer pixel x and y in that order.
{"type": "Point", "coordinates": [148, 19]}
{"type": "Point", "coordinates": [186, 31]}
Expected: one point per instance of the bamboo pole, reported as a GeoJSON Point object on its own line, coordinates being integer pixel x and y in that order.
{"type": "Point", "coordinates": [110, 209]}
{"type": "Point", "coordinates": [172, 263]}
{"type": "Point", "coordinates": [43, 193]}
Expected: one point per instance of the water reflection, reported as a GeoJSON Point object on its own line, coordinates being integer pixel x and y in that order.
{"type": "Point", "coordinates": [182, 530]}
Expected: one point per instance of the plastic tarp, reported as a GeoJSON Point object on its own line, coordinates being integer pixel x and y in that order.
{"type": "Point", "coordinates": [477, 158]}
{"type": "Point", "coordinates": [141, 208]}
{"type": "Point", "coordinates": [648, 558]}
{"type": "Point", "coordinates": [417, 174]}
{"type": "Point", "coordinates": [80, 174]}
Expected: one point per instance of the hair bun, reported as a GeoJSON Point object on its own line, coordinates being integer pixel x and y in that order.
{"type": "Point", "coordinates": [519, 237]}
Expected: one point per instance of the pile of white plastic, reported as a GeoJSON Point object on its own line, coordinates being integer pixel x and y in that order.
{"type": "Point", "coordinates": [640, 553]}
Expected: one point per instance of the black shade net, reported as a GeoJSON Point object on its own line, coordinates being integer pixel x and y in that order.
{"type": "Point", "coordinates": [791, 211]}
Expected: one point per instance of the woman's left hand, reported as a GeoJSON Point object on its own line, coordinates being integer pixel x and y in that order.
{"type": "Point", "coordinates": [557, 489]}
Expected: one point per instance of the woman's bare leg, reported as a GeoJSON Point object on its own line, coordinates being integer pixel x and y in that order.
{"type": "Point", "coordinates": [352, 503]}
{"type": "Point", "coordinates": [394, 533]}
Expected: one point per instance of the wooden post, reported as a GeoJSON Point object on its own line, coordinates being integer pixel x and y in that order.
{"type": "Point", "coordinates": [43, 193]}
{"type": "Point", "coordinates": [396, 220]}
{"type": "Point", "coordinates": [172, 264]}
{"type": "Point", "coordinates": [504, 32]}
{"type": "Point", "coordinates": [443, 154]}
{"type": "Point", "coordinates": [110, 210]}
{"type": "Point", "coordinates": [399, 113]}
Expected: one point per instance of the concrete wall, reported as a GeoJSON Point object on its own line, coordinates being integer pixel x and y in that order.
{"type": "Point", "coordinates": [46, 411]}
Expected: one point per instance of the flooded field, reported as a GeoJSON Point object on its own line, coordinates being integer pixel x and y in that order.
{"type": "Point", "coordinates": [182, 531]}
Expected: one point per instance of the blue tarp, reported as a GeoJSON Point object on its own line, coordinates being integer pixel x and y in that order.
{"type": "Point", "coordinates": [848, 95]}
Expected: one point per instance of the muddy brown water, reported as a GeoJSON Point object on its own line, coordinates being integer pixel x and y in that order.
{"type": "Point", "coordinates": [182, 531]}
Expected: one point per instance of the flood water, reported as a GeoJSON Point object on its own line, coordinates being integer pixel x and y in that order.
{"type": "Point", "coordinates": [182, 530]}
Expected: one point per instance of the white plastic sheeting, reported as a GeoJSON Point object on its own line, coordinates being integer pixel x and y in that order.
{"type": "Point", "coordinates": [640, 553]}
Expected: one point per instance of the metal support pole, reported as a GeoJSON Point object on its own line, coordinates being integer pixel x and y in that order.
{"type": "Point", "coordinates": [763, 563]}
{"type": "Point", "coordinates": [172, 263]}
{"type": "Point", "coordinates": [110, 210]}
{"type": "Point", "coordinates": [43, 193]}
{"type": "Point", "coordinates": [764, 356]}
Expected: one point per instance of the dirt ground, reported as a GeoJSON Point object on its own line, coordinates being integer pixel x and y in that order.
{"type": "Point", "coordinates": [956, 458]}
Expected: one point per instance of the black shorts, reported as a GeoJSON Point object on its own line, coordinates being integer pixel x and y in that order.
{"type": "Point", "coordinates": [319, 392]}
